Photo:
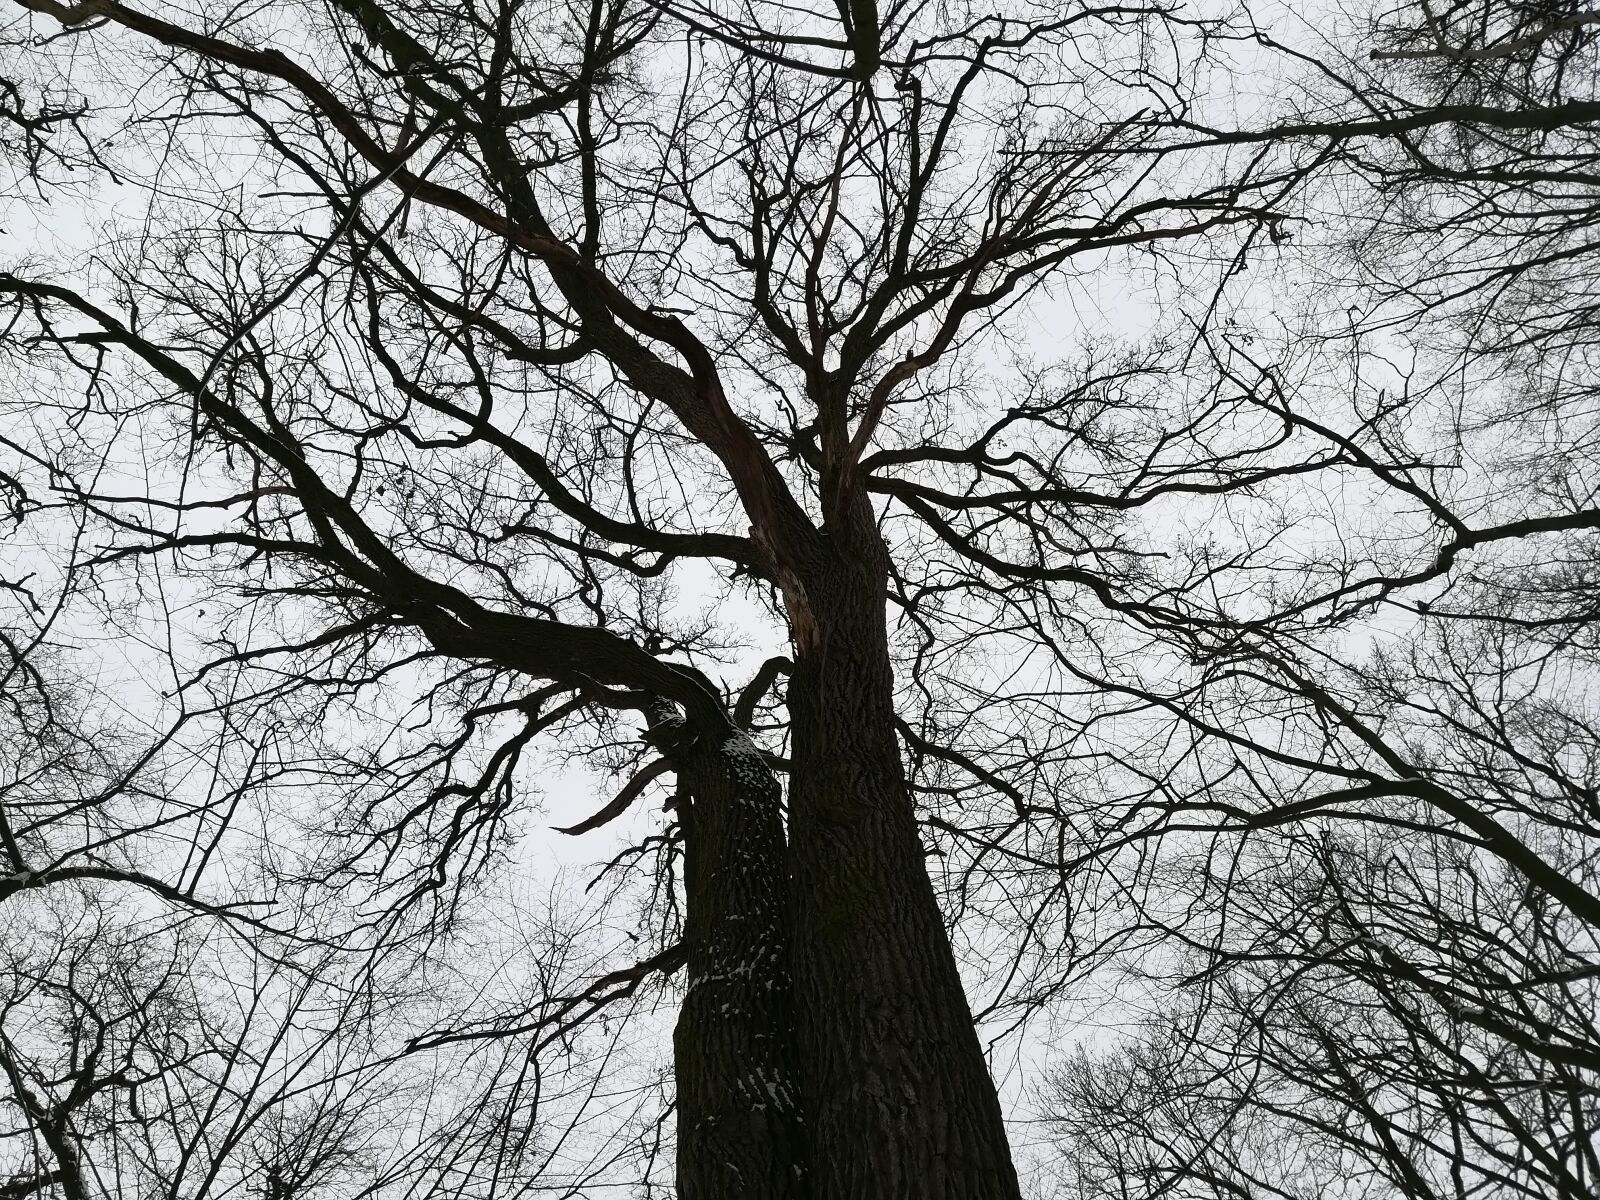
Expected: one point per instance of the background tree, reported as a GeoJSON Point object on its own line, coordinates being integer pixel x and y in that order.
{"type": "Point", "coordinates": [1382, 966]}
{"type": "Point", "coordinates": [190, 1002]}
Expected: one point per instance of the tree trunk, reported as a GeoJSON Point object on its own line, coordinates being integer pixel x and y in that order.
{"type": "Point", "coordinates": [740, 1133]}
{"type": "Point", "coordinates": [899, 1102]}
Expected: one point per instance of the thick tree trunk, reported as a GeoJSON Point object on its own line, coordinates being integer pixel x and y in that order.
{"type": "Point", "coordinates": [899, 1102]}
{"type": "Point", "coordinates": [739, 1126]}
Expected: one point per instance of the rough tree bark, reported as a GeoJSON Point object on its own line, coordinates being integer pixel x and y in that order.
{"type": "Point", "coordinates": [898, 1098]}
{"type": "Point", "coordinates": [740, 1128]}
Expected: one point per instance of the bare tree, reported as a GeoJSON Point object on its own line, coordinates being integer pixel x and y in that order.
{"type": "Point", "coordinates": [1383, 950]}
{"type": "Point", "coordinates": [451, 346]}
{"type": "Point", "coordinates": [500, 322]}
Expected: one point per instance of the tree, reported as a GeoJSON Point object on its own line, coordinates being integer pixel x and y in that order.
{"type": "Point", "coordinates": [1387, 958]}
{"type": "Point", "coordinates": [452, 345]}
{"type": "Point", "coordinates": [508, 316]}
